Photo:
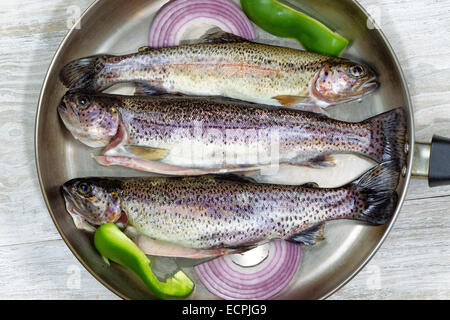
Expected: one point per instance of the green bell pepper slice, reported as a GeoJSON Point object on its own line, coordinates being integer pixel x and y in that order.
{"type": "Point", "coordinates": [113, 244]}
{"type": "Point", "coordinates": [283, 21]}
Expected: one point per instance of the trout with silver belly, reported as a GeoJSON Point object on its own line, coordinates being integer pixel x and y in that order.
{"type": "Point", "coordinates": [212, 215]}
{"type": "Point", "coordinates": [229, 66]}
{"type": "Point", "coordinates": [180, 135]}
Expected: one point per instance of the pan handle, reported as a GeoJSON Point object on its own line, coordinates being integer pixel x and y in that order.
{"type": "Point", "coordinates": [432, 161]}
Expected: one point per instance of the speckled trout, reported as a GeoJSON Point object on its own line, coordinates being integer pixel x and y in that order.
{"type": "Point", "coordinates": [226, 65]}
{"type": "Point", "coordinates": [185, 135]}
{"type": "Point", "coordinates": [214, 215]}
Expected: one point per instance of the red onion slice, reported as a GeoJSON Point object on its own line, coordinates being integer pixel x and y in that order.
{"type": "Point", "coordinates": [174, 18]}
{"type": "Point", "coordinates": [225, 279]}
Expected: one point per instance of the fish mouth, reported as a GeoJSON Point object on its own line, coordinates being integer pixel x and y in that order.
{"type": "Point", "coordinates": [63, 111]}
{"type": "Point", "coordinates": [62, 107]}
{"type": "Point", "coordinates": [366, 88]}
{"type": "Point", "coordinates": [69, 202]}
{"type": "Point", "coordinates": [370, 84]}
{"type": "Point", "coordinates": [65, 192]}
{"type": "Point", "coordinates": [66, 115]}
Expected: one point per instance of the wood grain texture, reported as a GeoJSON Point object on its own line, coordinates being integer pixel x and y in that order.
{"type": "Point", "coordinates": [35, 263]}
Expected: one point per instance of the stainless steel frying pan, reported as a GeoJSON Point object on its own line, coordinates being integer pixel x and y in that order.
{"type": "Point", "coordinates": [119, 26]}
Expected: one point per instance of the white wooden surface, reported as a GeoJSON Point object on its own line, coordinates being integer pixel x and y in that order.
{"type": "Point", "coordinates": [414, 262]}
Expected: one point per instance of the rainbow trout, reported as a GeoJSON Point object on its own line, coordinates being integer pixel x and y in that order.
{"type": "Point", "coordinates": [217, 215]}
{"type": "Point", "coordinates": [226, 65]}
{"type": "Point", "coordinates": [181, 135]}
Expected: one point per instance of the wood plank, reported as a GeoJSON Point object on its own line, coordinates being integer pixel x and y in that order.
{"type": "Point", "coordinates": [46, 270]}
{"type": "Point", "coordinates": [29, 36]}
{"type": "Point", "coordinates": [414, 261]}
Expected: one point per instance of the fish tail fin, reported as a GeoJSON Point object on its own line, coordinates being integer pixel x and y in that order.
{"type": "Point", "coordinates": [81, 73]}
{"type": "Point", "coordinates": [378, 189]}
{"type": "Point", "coordinates": [388, 136]}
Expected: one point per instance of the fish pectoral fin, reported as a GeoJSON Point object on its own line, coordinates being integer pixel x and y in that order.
{"type": "Point", "coordinates": [143, 89]}
{"type": "Point", "coordinates": [147, 153]}
{"type": "Point", "coordinates": [301, 103]}
{"type": "Point", "coordinates": [286, 100]}
{"type": "Point", "coordinates": [320, 162]}
{"type": "Point", "coordinates": [119, 146]}
{"type": "Point", "coordinates": [310, 236]}
{"type": "Point", "coordinates": [216, 35]}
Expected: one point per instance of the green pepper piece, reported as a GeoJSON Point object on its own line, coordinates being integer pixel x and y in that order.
{"type": "Point", "coordinates": [113, 244]}
{"type": "Point", "coordinates": [283, 21]}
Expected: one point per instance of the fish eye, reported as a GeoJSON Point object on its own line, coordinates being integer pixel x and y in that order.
{"type": "Point", "coordinates": [84, 188]}
{"type": "Point", "coordinates": [357, 71]}
{"type": "Point", "coordinates": [83, 101]}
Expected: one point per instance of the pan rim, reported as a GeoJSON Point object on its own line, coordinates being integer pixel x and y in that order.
{"type": "Point", "coordinates": [356, 271]}
{"type": "Point", "coordinates": [411, 128]}
{"type": "Point", "coordinates": [36, 151]}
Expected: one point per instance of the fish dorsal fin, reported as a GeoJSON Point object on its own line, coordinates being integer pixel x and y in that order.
{"type": "Point", "coordinates": [236, 178]}
{"type": "Point", "coordinates": [310, 236]}
{"type": "Point", "coordinates": [216, 35]}
{"type": "Point", "coordinates": [310, 185]}
{"type": "Point", "coordinates": [145, 49]}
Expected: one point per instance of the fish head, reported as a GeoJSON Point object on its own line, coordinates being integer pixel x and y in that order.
{"type": "Point", "coordinates": [92, 119]}
{"type": "Point", "coordinates": [94, 199]}
{"type": "Point", "coordinates": [343, 81]}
